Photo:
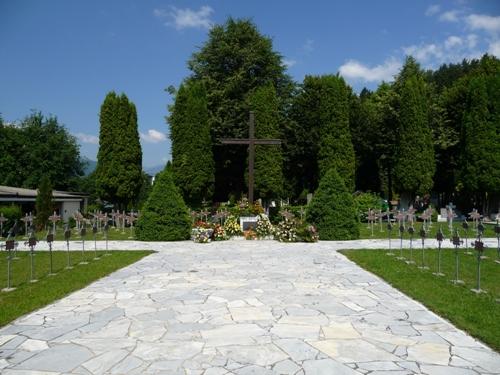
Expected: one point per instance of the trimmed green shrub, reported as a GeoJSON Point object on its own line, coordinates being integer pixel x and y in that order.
{"type": "Point", "coordinates": [333, 209]}
{"type": "Point", "coordinates": [365, 202]}
{"type": "Point", "coordinates": [165, 215]}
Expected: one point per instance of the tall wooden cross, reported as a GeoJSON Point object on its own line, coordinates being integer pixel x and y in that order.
{"type": "Point", "coordinates": [251, 141]}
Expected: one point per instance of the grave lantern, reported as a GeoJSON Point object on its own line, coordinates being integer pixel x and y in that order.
{"type": "Point", "coordinates": [457, 242]}
{"type": "Point", "coordinates": [50, 239]}
{"type": "Point", "coordinates": [411, 232]}
{"type": "Point", "coordinates": [67, 236]}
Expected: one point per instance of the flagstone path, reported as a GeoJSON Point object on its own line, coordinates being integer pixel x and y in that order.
{"type": "Point", "coordinates": [240, 307]}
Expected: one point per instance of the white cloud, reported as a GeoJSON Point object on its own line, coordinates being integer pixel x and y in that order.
{"type": "Point", "coordinates": [424, 52]}
{"type": "Point", "coordinates": [289, 62]}
{"type": "Point", "coordinates": [453, 42]}
{"type": "Point", "coordinates": [153, 136]}
{"type": "Point", "coordinates": [432, 10]}
{"type": "Point", "coordinates": [353, 69]}
{"type": "Point", "coordinates": [495, 48]}
{"type": "Point", "coordinates": [471, 40]}
{"type": "Point", "coordinates": [450, 16]}
{"type": "Point", "coordinates": [185, 18]}
{"type": "Point", "coordinates": [483, 22]}
{"type": "Point", "coordinates": [87, 138]}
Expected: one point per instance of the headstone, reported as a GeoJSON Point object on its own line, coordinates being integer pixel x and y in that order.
{"type": "Point", "coordinates": [248, 222]}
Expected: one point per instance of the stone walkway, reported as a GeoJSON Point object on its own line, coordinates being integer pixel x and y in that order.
{"type": "Point", "coordinates": [240, 308]}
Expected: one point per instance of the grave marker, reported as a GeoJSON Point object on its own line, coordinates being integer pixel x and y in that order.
{"type": "Point", "coordinates": [439, 238]}
{"type": "Point", "coordinates": [251, 141]}
{"type": "Point", "coordinates": [479, 247]}
{"type": "Point", "coordinates": [32, 241]}
{"type": "Point", "coordinates": [411, 231]}
{"type": "Point", "coordinates": [67, 236]}
{"type": "Point", "coordinates": [50, 239]}
{"type": "Point", "coordinates": [423, 234]}
{"type": "Point", "coordinates": [83, 233]}
{"type": "Point", "coordinates": [94, 232]}
{"type": "Point", "coordinates": [497, 232]}
{"type": "Point", "coordinates": [457, 242]}
{"type": "Point", "coordinates": [9, 247]}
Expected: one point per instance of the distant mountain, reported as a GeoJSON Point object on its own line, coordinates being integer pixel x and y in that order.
{"type": "Point", "coordinates": [152, 171]}
{"type": "Point", "coordinates": [88, 165]}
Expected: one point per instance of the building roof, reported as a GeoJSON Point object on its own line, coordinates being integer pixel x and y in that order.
{"type": "Point", "coordinates": [9, 193]}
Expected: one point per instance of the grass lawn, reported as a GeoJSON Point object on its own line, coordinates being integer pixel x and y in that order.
{"type": "Point", "coordinates": [31, 296]}
{"type": "Point", "coordinates": [478, 314]}
{"type": "Point", "coordinates": [365, 231]}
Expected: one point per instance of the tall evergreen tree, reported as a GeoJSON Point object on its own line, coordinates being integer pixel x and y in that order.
{"type": "Point", "coordinates": [192, 159]}
{"type": "Point", "coordinates": [336, 149]}
{"type": "Point", "coordinates": [268, 170]}
{"type": "Point", "coordinates": [235, 60]}
{"type": "Point", "coordinates": [414, 161]}
{"type": "Point", "coordinates": [319, 137]}
{"type": "Point", "coordinates": [119, 159]}
{"type": "Point", "coordinates": [480, 160]}
{"type": "Point", "coordinates": [44, 202]}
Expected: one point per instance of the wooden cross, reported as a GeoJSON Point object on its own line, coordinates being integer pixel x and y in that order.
{"type": "Point", "coordinates": [251, 141]}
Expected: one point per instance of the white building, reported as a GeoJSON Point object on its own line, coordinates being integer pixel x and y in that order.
{"type": "Point", "coordinates": [65, 203]}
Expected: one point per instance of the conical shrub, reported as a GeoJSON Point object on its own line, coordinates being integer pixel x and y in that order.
{"type": "Point", "coordinates": [165, 215]}
{"type": "Point", "coordinates": [332, 209]}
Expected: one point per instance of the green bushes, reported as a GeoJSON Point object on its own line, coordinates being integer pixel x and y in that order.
{"type": "Point", "coordinates": [165, 216]}
{"type": "Point", "coordinates": [333, 209]}
{"type": "Point", "coordinates": [365, 202]}
{"type": "Point", "coordinates": [11, 213]}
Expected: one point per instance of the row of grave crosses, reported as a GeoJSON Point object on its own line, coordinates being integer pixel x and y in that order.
{"type": "Point", "coordinates": [118, 219]}
{"type": "Point", "coordinates": [403, 217]}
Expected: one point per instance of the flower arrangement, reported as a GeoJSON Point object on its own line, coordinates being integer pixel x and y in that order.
{"type": "Point", "coordinates": [202, 224]}
{"type": "Point", "coordinates": [202, 235]}
{"type": "Point", "coordinates": [286, 231]}
{"type": "Point", "coordinates": [264, 227]}
{"type": "Point", "coordinates": [232, 227]}
{"type": "Point", "coordinates": [307, 233]}
{"type": "Point", "coordinates": [250, 234]}
{"type": "Point", "coordinates": [219, 233]}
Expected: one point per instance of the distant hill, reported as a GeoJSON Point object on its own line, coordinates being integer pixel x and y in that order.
{"type": "Point", "coordinates": [152, 171]}
{"type": "Point", "coordinates": [88, 165]}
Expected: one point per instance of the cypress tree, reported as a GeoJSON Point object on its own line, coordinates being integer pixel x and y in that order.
{"type": "Point", "coordinates": [119, 159]}
{"type": "Point", "coordinates": [480, 159]}
{"type": "Point", "coordinates": [165, 215]}
{"type": "Point", "coordinates": [44, 202]}
{"type": "Point", "coordinates": [319, 137]}
{"type": "Point", "coordinates": [268, 169]}
{"type": "Point", "coordinates": [414, 160]}
{"type": "Point", "coordinates": [336, 149]}
{"type": "Point", "coordinates": [192, 159]}
{"type": "Point", "coordinates": [332, 209]}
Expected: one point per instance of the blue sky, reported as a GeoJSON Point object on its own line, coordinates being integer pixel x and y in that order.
{"type": "Point", "coordinates": [62, 57]}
